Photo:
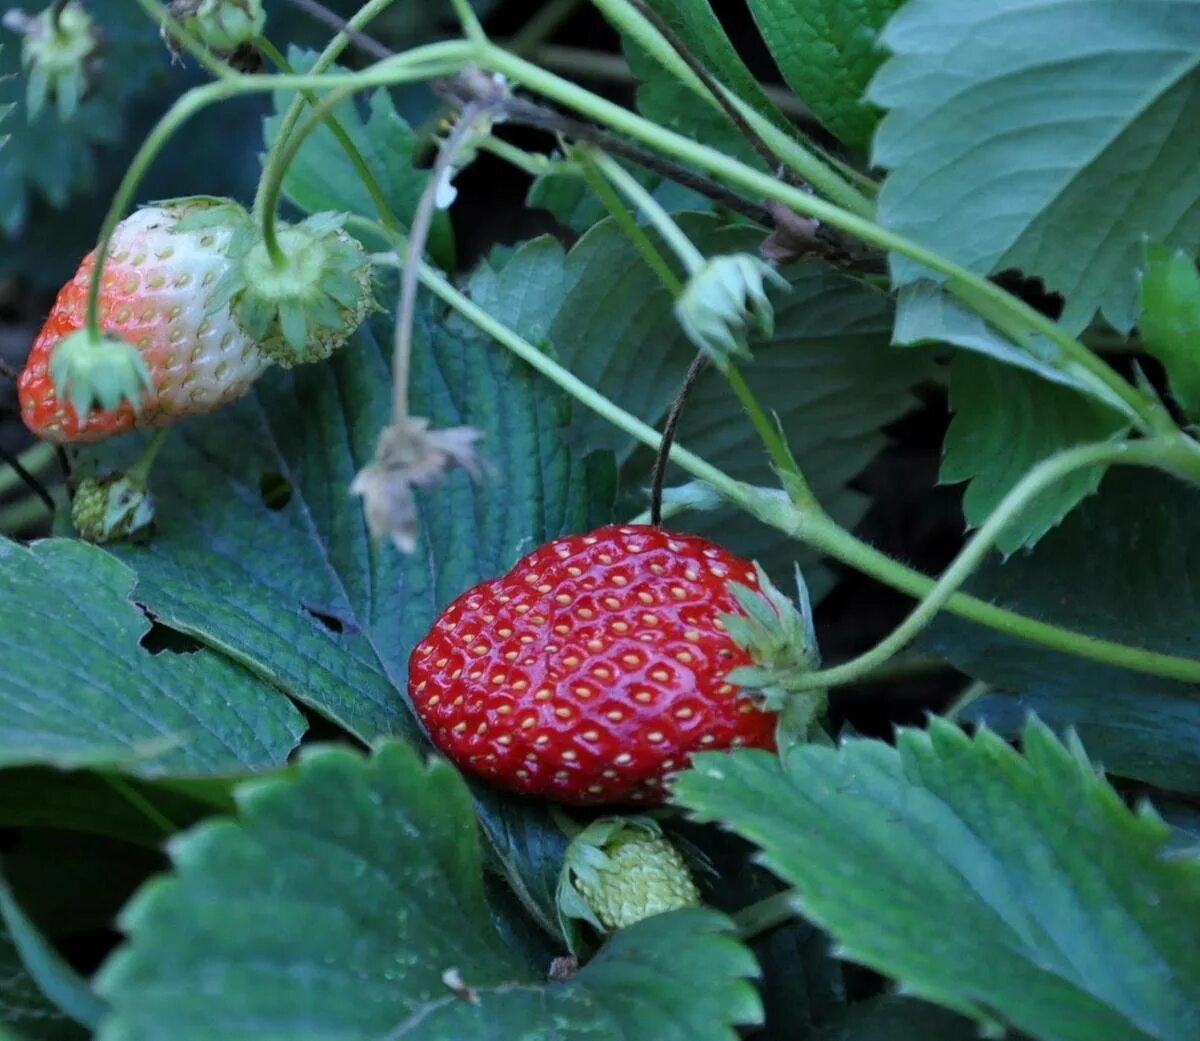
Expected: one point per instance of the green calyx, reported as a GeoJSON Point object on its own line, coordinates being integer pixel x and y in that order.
{"type": "Point", "coordinates": [58, 54]}
{"type": "Point", "coordinates": [222, 25]}
{"type": "Point", "coordinates": [308, 303]}
{"type": "Point", "coordinates": [104, 371]}
{"type": "Point", "coordinates": [725, 299]}
{"type": "Point", "coordinates": [619, 870]}
{"type": "Point", "coordinates": [780, 638]}
{"type": "Point", "coordinates": [106, 509]}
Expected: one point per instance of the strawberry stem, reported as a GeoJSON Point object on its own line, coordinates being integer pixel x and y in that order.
{"type": "Point", "coordinates": [140, 471]}
{"type": "Point", "coordinates": [764, 915]}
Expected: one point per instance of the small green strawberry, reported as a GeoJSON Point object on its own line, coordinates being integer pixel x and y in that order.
{"type": "Point", "coordinates": [619, 870]}
{"type": "Point", "coordinates": [106, 509]}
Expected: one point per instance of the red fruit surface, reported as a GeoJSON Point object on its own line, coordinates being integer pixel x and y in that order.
{"type": "Point", "coordinates": [593, 670]}
{"type": "Point", "coordinates": [155, 296]}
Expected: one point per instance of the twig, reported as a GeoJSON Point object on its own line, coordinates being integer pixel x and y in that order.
{"type": "Point", "coordinates": [668, 439]}
{"type": "Point", "coordinates": [29, 479]}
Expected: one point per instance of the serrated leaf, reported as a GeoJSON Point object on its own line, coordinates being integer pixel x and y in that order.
{"type": "Point", "coordinates": [1044, 135]}
{"type": "Point", "coordinates": [60, 991]}
{"type": "Point", "coordinates": [1006, 421]}
{"type": "Point", "coordinates": [827, 51]}
{"type": "Point", "coordinates": [1118, 568]}
{"type": "Point", "coordinates": [1005, 886]}
{"type": "Point", "coordinates": [322, 177]}
{"type": "Point", "coordinates": [1170, 322]}
{"type": "Point", "coordinates": [387, 933]}
{"type": "Point", "coordinates": [76, 689]}
{"type": "Point", "coordinates": [927, 315]}
{"type": "Point", "coordinates": [700, 29]}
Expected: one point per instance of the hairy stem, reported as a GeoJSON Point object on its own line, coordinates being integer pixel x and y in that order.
{"type": "Point", "coordinates": [1012, 316]}
{"type": "Point", "coordinates": [1037, 480]}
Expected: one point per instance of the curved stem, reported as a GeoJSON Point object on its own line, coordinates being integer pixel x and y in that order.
{"type": "Point", "coordinates": [1012, 316]}
{"type": "Point", "coordinates": [811, 526]}
{"type": "Point", "coordinates": [420, 63]}
{"type": "Point", "coordinates": [327, 57]}
{"type": "Point", "coordinates": [689, 256]}
{"type": "Point", "coordinates": [33, 459]}
{"type": "Point", "coordinates": [764, 915]}
{"type": "Point", "coordinates": [469, 21]}
{"type": "Point", "coordinates": [1037, 480]}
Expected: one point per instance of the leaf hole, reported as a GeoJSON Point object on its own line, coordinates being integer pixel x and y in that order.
{"type": "Point", "coordinates": [331, 621]}
{"type": "Point", "coordinates": [162, 639]}
{"type": "Point", "coordinates": [276, 491]}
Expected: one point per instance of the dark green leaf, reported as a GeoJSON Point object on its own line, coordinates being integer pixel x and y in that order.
{"type": "Point", "coordinates": [76, 689]}
{"type": "Point", "coordinates": [827, 51]}
{"type": "Point", "coordinates": [1170, 322]}
{"type": "Point", "coordinates": [1044, 135]}
{"type": "Point", "coordinates": [897, 1019]}
{"type": "Point", "coordinates": [1006, 421]}
{"type": "Point", "coordinates": [1009, 887]}
{"type": "Point", "coordinates": [387, 933]}
{"type": "Point", "coordinates": [41, 997]}
{"type": "Point", "coordinates": [694, 22]}
{"type": "Point", "coordinates": [1115, 568]}
{"type": "Point", "coordinates": [91, 804]}
{"type": "Point", "coordinates": [322, 177]}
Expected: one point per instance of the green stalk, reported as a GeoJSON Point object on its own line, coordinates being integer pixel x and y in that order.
{"type": "Point", "coordinates": [365, 174]}
{"type": "Point", "coordinates": [1013, 317]}
{"type": "Point", "coordinates": [420, 63]}
{"type": "Point", "coordinates": [1037, 480]}
{"type": "Point", "coordinates": [764, 915]}
{"type": "Point", "coordinates": [333, 50]}
{"type": "Point", "coordinates": [693, 260]}
{"type": "Point", "coordinates": [798, 158]}
{"type": "Point", "coordinates": [812, 527]}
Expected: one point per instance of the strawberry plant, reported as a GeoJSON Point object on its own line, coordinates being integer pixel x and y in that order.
{"type": "Point", "coordinates": [467, 563]}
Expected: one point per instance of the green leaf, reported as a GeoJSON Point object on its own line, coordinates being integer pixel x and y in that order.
{"type": "Point", "coordinates": [387, 933]}
{"type": "Point", "coordinates": [1044, 135]}
{"type": "Point", "coordinates": [1004, 886]}
{"type": "Point", "coordinates": [321, 177]}
{"type": "Point", "coordinates": [1117, 568]}
{"type": "Point", "coordinates": [699, 28]}
{"type": "Point", "coordinates": [1006, 421]}
{"type": "Point", "coordinates": [1170, 322]}
{"type": "Point", "coordinates": [827, 51]}
{"type": "Point", "coordinates": [38, 797]}
{"type": "Point", "coordinates": [926, 314]}
{"type": "Point", "coordinates": [25, 1013]}
{"type": "Point", "coordinates": [76, 689]}
{"type": "Point", "coordinates": [68, 994]}
{"type": "Point", "coordinates": [893, 1018]}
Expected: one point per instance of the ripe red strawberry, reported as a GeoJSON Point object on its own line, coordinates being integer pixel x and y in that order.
{"type": "Point", "coordinates": [158, 280]}
{"type": "Point", "coordinates": [593, 670]}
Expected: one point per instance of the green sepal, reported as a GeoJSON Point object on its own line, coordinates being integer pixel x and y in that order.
{"type": "Point", "coordinates": [228, 286]}
{"type": "Point", "coordinates": [293, 324]}
{"type": "Point", "coordinates": [204, 212]}
{"type": "Point", "coordinates": [724, 300]}
{"type": "Point", "coordinates": [588, 865]}
{"type": "Point", "coordinates": [782, 642]}
{"type": "Point", "coordinates": [254, 315]}
{"type": "Point", "coordinates": [103, 371]}
{"type": "Point", "coordinates": [223, 25]}
{"type": "Point", "coordinates": [58, 54]}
